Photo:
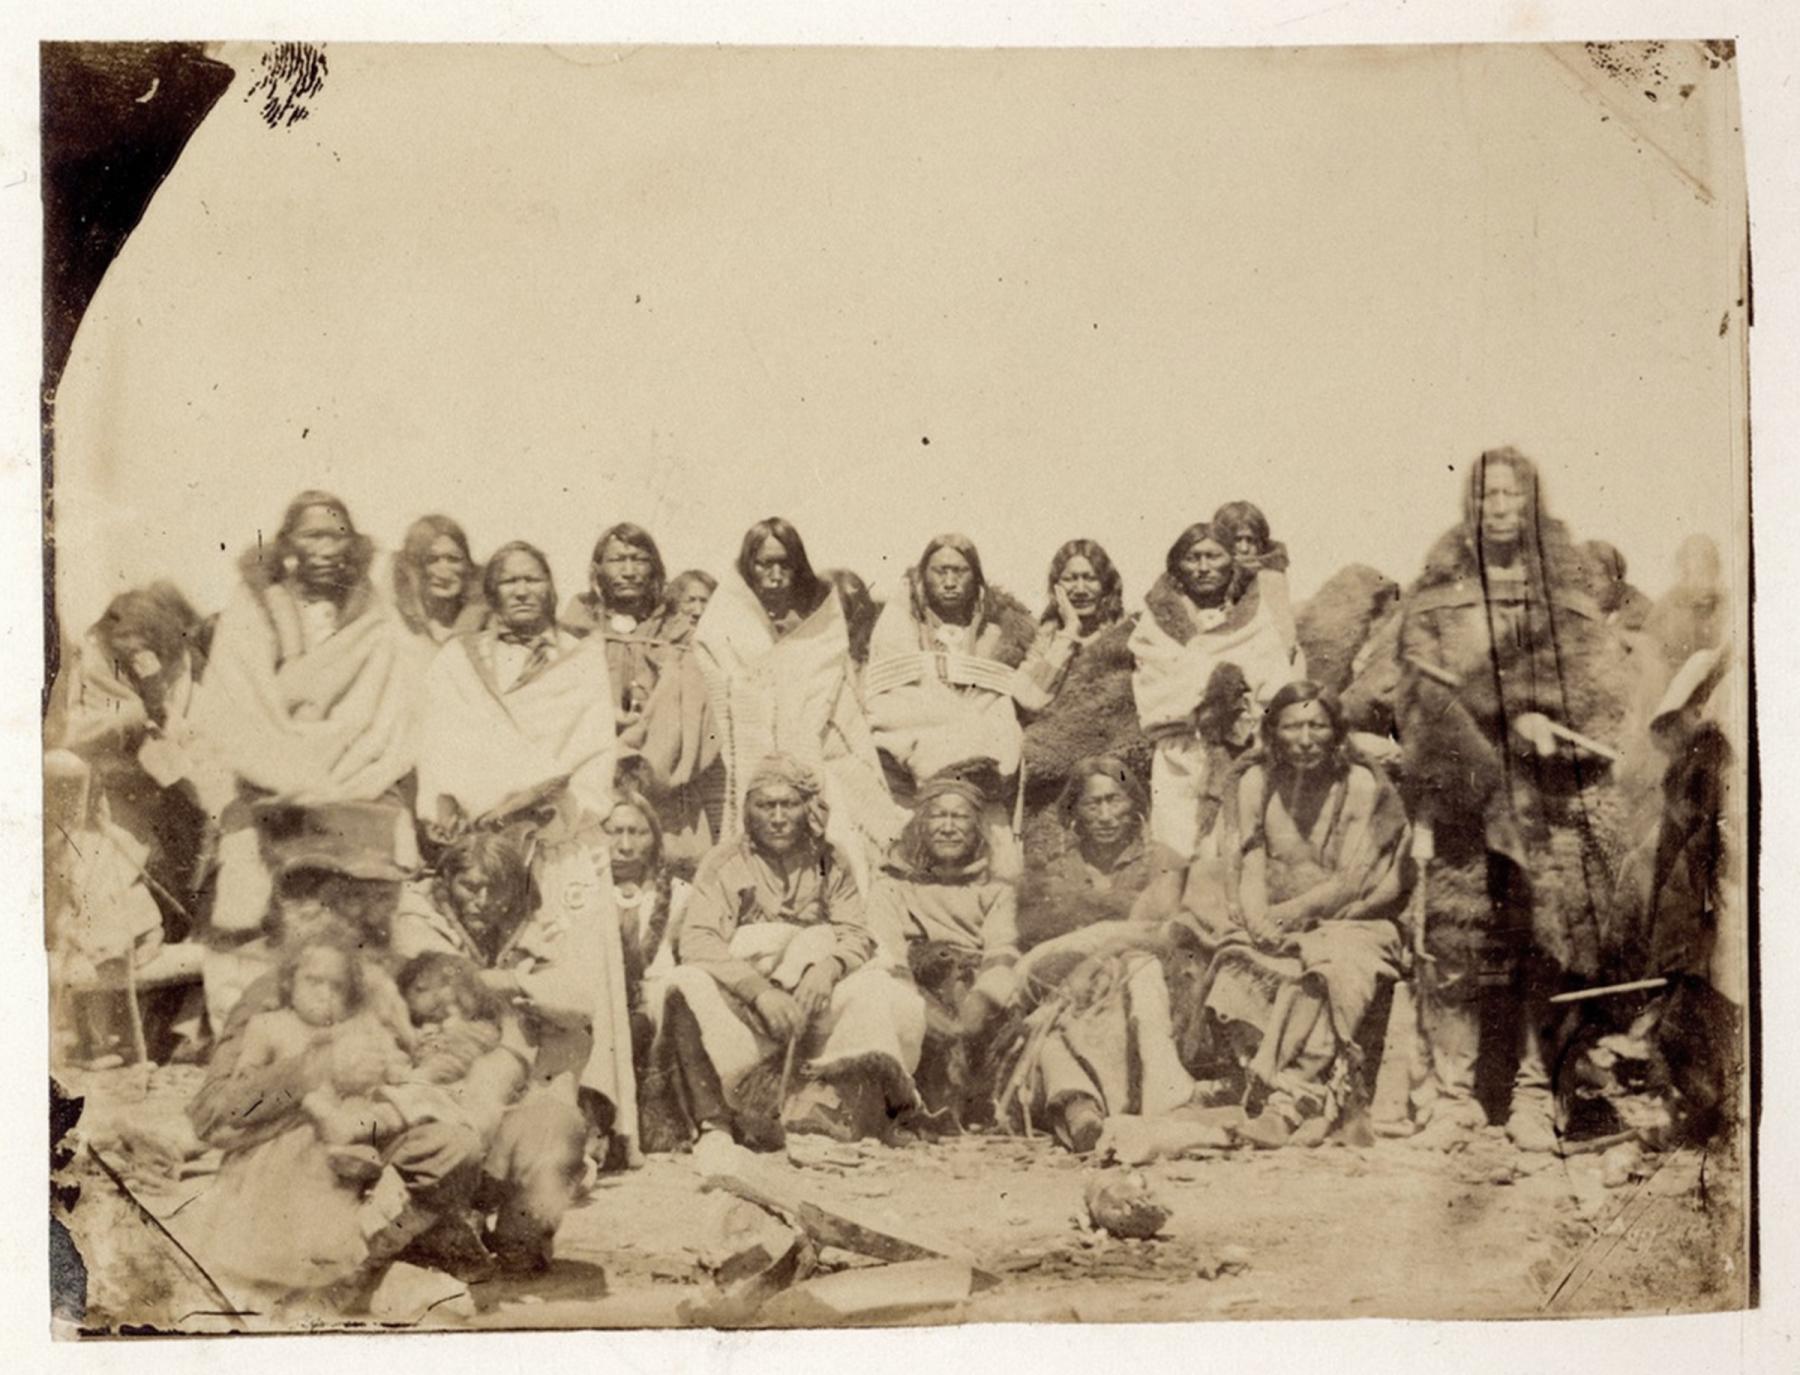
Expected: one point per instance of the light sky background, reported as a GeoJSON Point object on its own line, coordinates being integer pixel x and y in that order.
{"type": "Point", "coordinates": [1770, 40]}
{"type": "Point", "coordinates": [544, 289]}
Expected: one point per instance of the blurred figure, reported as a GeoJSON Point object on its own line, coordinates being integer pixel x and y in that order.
{"type": "Point", "coordinates": [685, 603]}
{"type": "Point", "coordinates": [1514, 703]}
{"type": "Point", "coordinates": [1623, 605]}
{"type": "Point", "coordinates": [1693, 614]}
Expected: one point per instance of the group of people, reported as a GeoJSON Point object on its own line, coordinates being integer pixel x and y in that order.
{"type": "Point", "coordinates": [493, 892]}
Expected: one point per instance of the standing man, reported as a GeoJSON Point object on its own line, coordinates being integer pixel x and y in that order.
{"type": "Point", "coordinates": [310, 701]}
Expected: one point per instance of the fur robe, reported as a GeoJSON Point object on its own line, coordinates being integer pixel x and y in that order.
{"type": "Point", "coordinates": [1092, 713]}
{"type": "Point", "coordinates": [1175, 658]}
{"type": "Point", "coordinates": [1560, 821]}
{"type": "Point", "coordinates": [1374, 688]}
{"type": "Point", "coordinates": [1336, 621]}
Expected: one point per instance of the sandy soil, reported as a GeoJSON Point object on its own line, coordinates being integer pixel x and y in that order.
{"type": "Point", "coordinates": [1389, 1230]}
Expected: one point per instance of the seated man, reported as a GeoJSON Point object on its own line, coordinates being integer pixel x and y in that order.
{"type": "Point", "coordinates": [1307, 938]}
{"type": "Point", "coordinates": [539, 960]}
{"type": "Point", "coordinates": [938, 905]}
{"type": "Point", "coordinates": [1097, 889]}
{"type": "Point", "coordinates": [779, 973]}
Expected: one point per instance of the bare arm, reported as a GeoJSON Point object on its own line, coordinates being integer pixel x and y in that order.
{"type": "Point", "coordinates": [1246, 855]}
{"type": "Point", "coordinates": [1332, 894]}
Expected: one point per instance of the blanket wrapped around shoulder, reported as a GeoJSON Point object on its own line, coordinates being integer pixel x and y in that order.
{"type": "Point", "coordinates": [1175, 656]}
{"type": "Point", "coordinates": [336, 722]}
{"type": "Point", "coordinates": [794, 694]}
{"type": "Point", "coordinates": [481, 745]}
{"type": "Point", "coordinates": [930, 709]}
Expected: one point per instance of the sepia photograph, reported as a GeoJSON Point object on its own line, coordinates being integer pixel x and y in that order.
{"type": "Point", "coordinates": [824, 687]}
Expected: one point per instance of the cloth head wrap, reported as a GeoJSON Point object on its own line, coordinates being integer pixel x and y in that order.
{"type": "Point", "coordinates": [783, 770]}
{"type": "Point", "coordinates": [911, 856]}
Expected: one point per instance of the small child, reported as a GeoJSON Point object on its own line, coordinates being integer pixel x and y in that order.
{"type": "Point", "coordinates": [330, 996]}
{"type": "Point", "coordinates": [458, 1018]}
{"type": "Point", "coordinates": [458, 1070]}
{"type": "Point", "coordinates": [332, 1001]}
{"type": "Point", "coordinates": [1245, 530]}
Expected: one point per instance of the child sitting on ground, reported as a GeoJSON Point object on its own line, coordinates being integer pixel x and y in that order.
{"type": "Point", "coordinates": [332, 999]}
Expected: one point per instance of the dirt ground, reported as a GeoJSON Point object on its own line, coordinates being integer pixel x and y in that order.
{"type": "Point", "coordinates": [1392, 1230]}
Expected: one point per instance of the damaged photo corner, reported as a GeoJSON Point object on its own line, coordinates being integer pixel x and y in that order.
{"type": "Point", "coordinates": [823, 687]}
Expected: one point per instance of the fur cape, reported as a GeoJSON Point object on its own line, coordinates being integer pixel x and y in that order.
{"type": "Point", "coordinates": [1093, 712]}
{"type": "Point", "coordinates": [1374, 687]}
{"type": "Point", "coordinates": [1175, 658]}
{"type": "Point", "coordinates": [1335, 621]}
{"type": "Point", "coordinates": [1168, 607]}
{"type": "Point", "coordinates": [1056, 897]}
{"type": "Point", "coordinates": [1004, 629]}
{"type": "Point", "coordinates": [1561, 822]}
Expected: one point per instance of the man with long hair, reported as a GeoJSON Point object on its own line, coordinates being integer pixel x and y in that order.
{"type": "Point", "coordinates": [774, 645]}
{"type": "Point", "coordinates": [1513, 699]}
{"type": "Point", "coordinates": [310, 701]}
{"type": "Point", "coordinates": [663, 714]}
{"type": "Point", "coordinates": [1205, 611]}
